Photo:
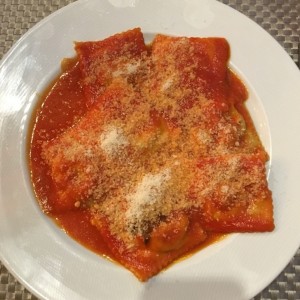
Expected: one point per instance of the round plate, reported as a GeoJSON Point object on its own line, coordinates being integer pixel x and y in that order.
{"type": "Point", "coordinates": [52, 265]}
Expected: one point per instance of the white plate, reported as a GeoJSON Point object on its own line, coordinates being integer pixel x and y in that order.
{"type": "Point", "coordinates": [51, 264]}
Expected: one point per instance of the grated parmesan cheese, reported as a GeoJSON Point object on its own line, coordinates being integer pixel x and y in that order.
{"type": "Point", "coordinates": [128, 69]}
{"type": "Point", "coordinates": [147, 193]}
{"type": "Point", "coordinates": [167, 84]}
{"type": "Point", "coordinates": [204, 137]}
{"type": "Point", "coordinates": [112, 139]}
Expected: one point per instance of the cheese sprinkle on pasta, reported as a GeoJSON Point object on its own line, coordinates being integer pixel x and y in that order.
{"type": "Point", "coordinates": [166, 152]}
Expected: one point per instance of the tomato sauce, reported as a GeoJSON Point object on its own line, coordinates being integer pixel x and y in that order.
{"type": "Point", "coordinates": [60, 106]}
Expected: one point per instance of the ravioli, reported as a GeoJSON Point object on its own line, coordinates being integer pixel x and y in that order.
{"type": "Point", "coordinates": [166, 155]}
